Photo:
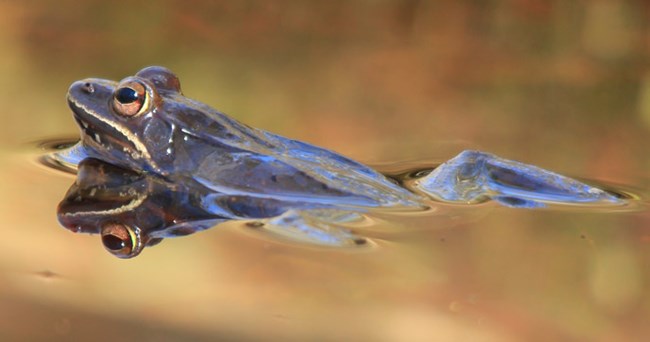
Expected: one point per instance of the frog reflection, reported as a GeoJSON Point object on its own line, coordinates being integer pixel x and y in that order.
{"type": "Point", "coordinates": [145, 124]}
{"type": "Point", "coordinates": [132, 210]}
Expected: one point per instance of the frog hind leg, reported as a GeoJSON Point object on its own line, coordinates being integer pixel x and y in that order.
{"type": "Point", "coordinates": [324, 228]}
{"type": "Point", "coordinates": [474, 177]}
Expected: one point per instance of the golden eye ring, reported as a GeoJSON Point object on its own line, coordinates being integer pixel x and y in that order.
{"type": "Point", "coordinates": [121, 240]}
{"type": "Point", "coordinates": [131, 99]}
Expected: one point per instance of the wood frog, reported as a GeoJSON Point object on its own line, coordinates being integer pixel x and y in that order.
{"type": "Point", "coordinates": [144, 124]}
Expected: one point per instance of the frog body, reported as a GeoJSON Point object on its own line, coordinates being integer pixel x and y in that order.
{"type": "Point", "coordinates": [180, 138]}
{"type": "Point", "coordinates": [232, 171]}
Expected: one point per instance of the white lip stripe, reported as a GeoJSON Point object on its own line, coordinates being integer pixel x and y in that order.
{"type": "Point", "coordinates": [127, 207]}
{"type": "Point", "coordinates": [139, 146]}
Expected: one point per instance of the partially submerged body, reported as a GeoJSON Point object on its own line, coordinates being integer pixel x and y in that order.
{"type": "Point", "coordinates": [145, 125]}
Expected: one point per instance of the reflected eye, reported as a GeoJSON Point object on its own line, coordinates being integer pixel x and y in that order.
{"type": "Point", "coordinates": [131, 99]}
{"type": "Point", "coordinates": [120, 240]}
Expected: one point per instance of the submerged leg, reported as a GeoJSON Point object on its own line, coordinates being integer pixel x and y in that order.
{"type": "Point", "coordinates": [317, 227]}
{"type": "Point", "coordinates": [473, 177]}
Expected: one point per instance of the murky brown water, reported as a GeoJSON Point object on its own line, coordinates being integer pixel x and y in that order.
{"type": "Point", "coordinates": [563, 86]}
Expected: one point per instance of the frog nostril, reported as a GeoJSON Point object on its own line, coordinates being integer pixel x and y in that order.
{"type": "Point", "coordinates": [88, 88]}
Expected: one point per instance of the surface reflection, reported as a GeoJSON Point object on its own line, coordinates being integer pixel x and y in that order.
{"type": "Point", "coordinates": [131, 210]}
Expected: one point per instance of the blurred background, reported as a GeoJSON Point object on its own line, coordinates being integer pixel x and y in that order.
{"type": "Point", "coordinates": [563, 85]}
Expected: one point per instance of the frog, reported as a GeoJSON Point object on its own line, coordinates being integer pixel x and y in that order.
{"type": "Point", "coordinates": [144, 123]}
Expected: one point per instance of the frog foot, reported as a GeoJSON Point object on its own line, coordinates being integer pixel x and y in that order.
{"type": "Point", "coordinates": [475, 177]}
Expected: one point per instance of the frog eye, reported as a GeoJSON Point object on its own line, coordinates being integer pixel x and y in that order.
{"type": "Point", "coordinates": [131, 99]}
{"type": "Point", "coordinates": [121, 240]}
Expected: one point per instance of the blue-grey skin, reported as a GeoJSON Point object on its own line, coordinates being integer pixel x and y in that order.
{"type": "Point", "coordinates": [473, 177]}
{"type": "Point", "coordinates": [180, 138]}
{"type": "Point", "coordinates": [187, 142]}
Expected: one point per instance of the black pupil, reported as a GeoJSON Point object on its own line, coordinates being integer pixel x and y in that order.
{"type": "Point", "coordinates": [113, 243]}
{"type": "Point", "coordinates": [126, 95]}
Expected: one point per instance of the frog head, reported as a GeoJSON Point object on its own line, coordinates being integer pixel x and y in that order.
{"type": "Point", "coordinates": [144, 122]}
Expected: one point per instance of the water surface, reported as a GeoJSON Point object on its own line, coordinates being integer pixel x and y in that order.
{"type": "Point", "coordinates": [561, 86]}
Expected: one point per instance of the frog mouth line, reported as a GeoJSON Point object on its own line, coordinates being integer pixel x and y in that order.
{"type": "Point", "coordinates": [102, 137]}
{"type": "Point", "coordinates": [95, 126]}
{"type": "Point", "coordinates": [109, 209]}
